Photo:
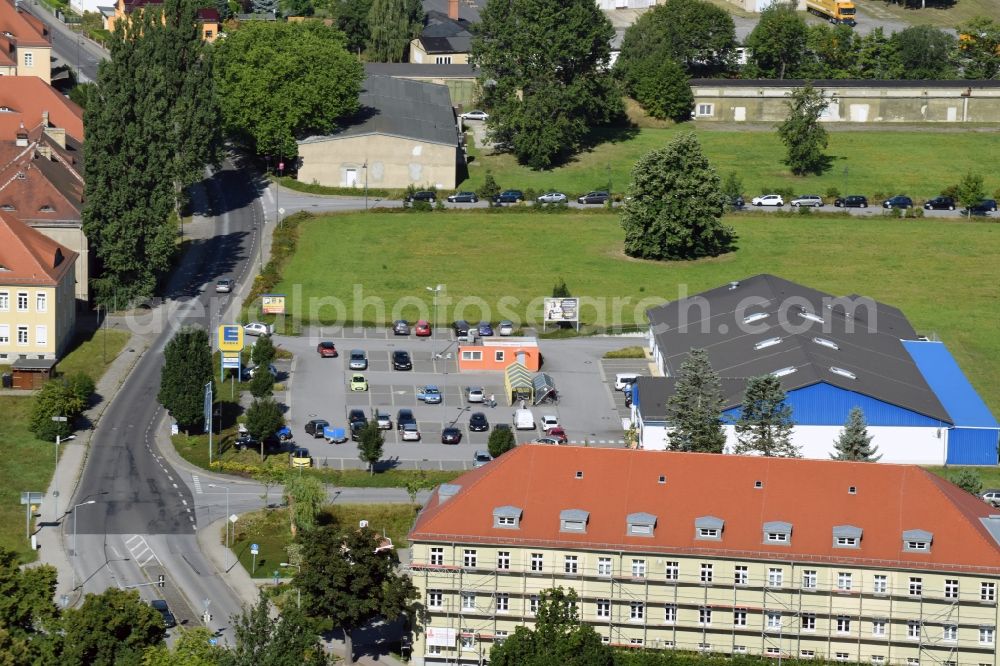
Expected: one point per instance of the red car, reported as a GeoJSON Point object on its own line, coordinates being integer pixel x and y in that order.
{"type": "Point", "coordinates": [422, 329]}
{"type": "Point", "coordinates": [327, 349]}
{"type": "Point", "coordinates": [557, 433]}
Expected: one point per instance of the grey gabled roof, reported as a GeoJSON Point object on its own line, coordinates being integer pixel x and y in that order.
{"type": "Point", "coordinates": [507, 512]}
{"type": "Point", "coordinates": [857, 345]}
{"type": "Point", "coordinates": [575, 515]}
{"type": "Point", "coordinates": [641, 518]}
{"type": "Point", "coordinates": [847, 531]}
{"type": "Point", "coordinates": [415, 70]}
{"type": "Point", "coordinates": [442, 34]}
{"type": "Point", "coordinates": [402, 108]}
{"type": "Point", "coordinates": [775, 526]}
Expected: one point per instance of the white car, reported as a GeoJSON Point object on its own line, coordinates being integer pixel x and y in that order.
{"type": "Point", "coordinates": [410, 433]}
{"type": "Point", "coordinates": [546, 440]}
{"type": "Point", "coordinates": [505, 328]}
{"type": "Point", "coordinates": [224, 286]}
{"type": "Point", "coordinates": [475, 115]}
{"type": "Point", "coordinates": [258, 328]}
{"type": "Point", "coordinates": [768, 200]}
{"type": "Point", "coordinates": [250, 372]}
{"type": "Point", "coordinates": [550, 421]}
{"type": "Point", "coordinates": [552, 197]}
{"type": "Point", "coordinates": [814, 200]}
{"type": "Point", "coordinates": [474, 394]}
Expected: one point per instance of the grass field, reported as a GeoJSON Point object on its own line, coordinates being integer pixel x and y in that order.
{"type": "Point", "coordinates": [942, 273]}
{"type": "Point", "coordinates": [916, 163]}
{"type": "Point", "coordinates": [948, 17]}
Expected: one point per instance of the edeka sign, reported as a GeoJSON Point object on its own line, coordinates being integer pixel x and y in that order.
{"type": "Point", "coordinates": [273, 304]}
{"type": "Point", "coordinates": [231, 338]}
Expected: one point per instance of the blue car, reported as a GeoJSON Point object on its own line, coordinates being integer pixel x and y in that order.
{"type": "Point", "coordinates": [485, 329]}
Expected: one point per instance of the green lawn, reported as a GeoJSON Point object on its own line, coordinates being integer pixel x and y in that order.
{"type": "Point", "coordinates": [94, 352]}
{"type": "Point", "coordinates": [916, 163]}
{"type": "Point", "coordinates": [942, 273]}
{"type": "Point", "coordinates": [948, 17]}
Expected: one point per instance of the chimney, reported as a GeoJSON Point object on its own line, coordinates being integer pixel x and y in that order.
{"type": "Point", "coordinates": [22, 137]}
{"type": "Point", "coordinates": [45, 118]}
{"type": "Point", "coordinates": [453, 10]}
{"type": "Point", "coordinates": [45, 150]}
{"type": "Point", "coordinates": [57, 134]}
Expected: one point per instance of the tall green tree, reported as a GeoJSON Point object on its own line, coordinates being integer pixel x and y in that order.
{"type": "Point", "coordinates": [971, 191]}
{"type": "Point", "coordinates": [924, 52]}
{"type": "Point", "coordinates": [832, 52]}
{"type": "Point", "coordinates": [264, 7]}
{"type": "Point", "coordinates": [352, 20]}
{"type": "Point", "coordinates": [149, 136]}
{"type": "Point", "coordinates": [390, 29]}
{"type": "Point", "coordinates": [675, 205]}
{"type": "Point", "coordinates": [979, 48]}
{"type": "Point", "coordinates": [263, 351]}
{"type": "Point", "coordinates": [877, 56]}
{"type": "Point", "coordinates": [187, 368]}
{"type": "Point", "coordinates": [968, 480]}
{"type": "Point", "coordinates": [765, 423]}
{"type": "Point", "coordinates": [559, 637]}
{"type": "Point", "coordinates": [26, 606]}
{"type": "Point", "coordinates": [291, 639]}
{"type": "Point", "coordinates": [263, 418]}
{"type": "Point", "coordinates": [262, 383]}
{"type": "Point", "coordinates": [500, 442]}
{"type": "Point", "coordinates": [57, 397]}
{"type": "Point", "coordinates": [694, 411]}
{"type": "Point", "coordinates": [278, 82]}
{"type": "Point", "coordinates": [854, 442]}
{"type": "Point", "coordinates": [542, 65]}
{"type": "Point", "coordinates": [664, 90]}
{"type": "Point", "coordinates": [371, 443]}
{"type": "Point", "coordinates": [305, 496]}
{"type": "Point", "coordinates": [192, 647]}
{"type": "Point", "coordinates": [348, 579]}
{"type": "Point", "coordinates": [804, 137]}
{"type": "Point", "coordinates": [114, 627]}
{"type": "Point", "coordinates": [777, 43]}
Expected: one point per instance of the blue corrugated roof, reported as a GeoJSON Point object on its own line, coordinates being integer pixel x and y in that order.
{"type": "Point", "coordinates": [948, 381]}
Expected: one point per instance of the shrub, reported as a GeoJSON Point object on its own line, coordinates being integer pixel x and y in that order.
{"type": "Point", "coordinates": [489, 188]}
{"type": "Point", "coordinates": [831, 194]}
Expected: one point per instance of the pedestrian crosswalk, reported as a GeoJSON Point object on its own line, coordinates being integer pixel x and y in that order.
{"type": "Point", "coordinates": [196, 482]}
{"type": "Point", "coordinates": [140, 551]}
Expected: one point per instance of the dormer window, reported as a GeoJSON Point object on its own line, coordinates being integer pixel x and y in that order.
{"type": "Point", "coordinates": [778, 533]}
{"type": "Point", "coordinates": [640, 524]}
{"type": "Point", "coordinates": [708, 528]}
{"type": "Point", "coordinates": [917, 541]}
{"type": "Point", "coordinates": [46, 209]}
{"type": "Point", "coordinates": [507, 517]}
{"type": "Point", "coordinates": [573, 520]}
{"type": "Point", "coordinates": [846, 536]}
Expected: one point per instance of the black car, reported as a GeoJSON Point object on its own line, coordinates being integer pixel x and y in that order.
{"type": "Point", "coordinates": [423, 195]}
{"type": "Point", "coordinates": [160, 606]}
{"type": "Point", "coordinates": [403, 417]}
{"type": "Point", "coordinates": [940, 203]}
{"type": "Point", "coordinates": [315, 427]}
{"type": "Point", "coordinates": [356, 429]}
{"type": "Point", "coordinates": [737, 202]}
{"type": "Point", "coordinates": [401, 360]}
{"type": "Point", "coordinates": [509, 196]}
{"type": "Point", "coordinates": [451, 436]}
{"type": "Point", "coordinates": [852, 201]}
{"type": "Point", "coordinates": [357, 416]}
{"type": "Point", "coordinates": [984, 206]}
{"type": "Point", "coordinates": [401, 327]}
{"type": "Point", "coordinates": [461, 327]}
{"type": "Point", "coordinates": [478, 422]}
{"type": "Point", "coordinates": [463, 197]}
{"type": "Point", "coordinates": [596, 197]}
{"type": "Point", "coordinates": [898, 201]}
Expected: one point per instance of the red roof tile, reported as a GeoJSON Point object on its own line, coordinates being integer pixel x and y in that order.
{"type": "Point", "coordinates": [29, 257]}
{"type": "Point", "coordinates": [23, 99]}
{"type": "Point", "coordinates": [26, 29]}
{"type": "Point", "coordinates": [812, 495]}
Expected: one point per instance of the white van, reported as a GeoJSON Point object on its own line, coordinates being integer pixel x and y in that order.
{"type": "Point", "coordinates": [524, 420]}
{"type": "Point", "coordinates": [625, 379]}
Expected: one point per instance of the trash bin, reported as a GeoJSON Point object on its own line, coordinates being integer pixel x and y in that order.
{"type": "Point", "coordinates": [8, 380]}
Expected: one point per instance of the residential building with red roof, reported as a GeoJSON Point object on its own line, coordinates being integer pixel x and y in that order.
{"type": "Point", "coordinates": [208, 17]}
{"type": "Point", "coordinates": [25, 44]}
{"type": "Point", "coordinates": [37, 300]}
{"type": "Point", "coordinates": [859, 562]}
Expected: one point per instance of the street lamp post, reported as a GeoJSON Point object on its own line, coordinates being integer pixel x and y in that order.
{"type": "Point", "coordinates": [59, 440]}
{"type": "Point", "coordinates": [365, 167]}
{"type": "Point", "coordinates": [226, 488]}
{"type": "Point", "coordinates": [75, 509]}
{"type": "Point", "coordinates": [298, 570]}
{"type": "Point", "coordinates": [436, 291]}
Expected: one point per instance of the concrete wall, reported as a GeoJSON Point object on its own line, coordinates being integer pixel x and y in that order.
{"type": "Point", "coordinates": [393, 162]}
{"type": "Point", "coordinates": [73, 238]}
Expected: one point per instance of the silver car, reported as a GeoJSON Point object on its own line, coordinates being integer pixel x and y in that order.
{"type": "Point", "coordinates": [552, 197]}
{"type": "Point", "coordinates": [480, 458]}
{"type": "Point", "coordinates": [813, 200]}
{"type": "Point", "coordinates": [359, 360]}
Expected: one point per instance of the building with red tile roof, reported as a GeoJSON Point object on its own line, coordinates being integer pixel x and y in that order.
{"type": "Point", "coordinates": [25, 43]}
{"type": "Point", "coordinates": [730, 554]}
{"type": "Point", "coordinates": [208, 17]}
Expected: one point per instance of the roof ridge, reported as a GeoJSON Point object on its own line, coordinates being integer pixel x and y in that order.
{"type": "Point", "coordinates": [973, 520]}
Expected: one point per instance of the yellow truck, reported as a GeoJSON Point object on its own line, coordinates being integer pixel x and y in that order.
{"type": "Point", "coordinates": [835, 11]}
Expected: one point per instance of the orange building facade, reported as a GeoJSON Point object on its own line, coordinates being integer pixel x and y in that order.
{"type": "Point", "coordinates": [495, 354]}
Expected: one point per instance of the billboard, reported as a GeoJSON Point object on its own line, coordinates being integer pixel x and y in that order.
{"type": "Point", "coordinates": [230, 338]}
{"type": "Point", "coordinates": [272, 304]}
{"type": "Point", "coordinates": [231, 360]}
{"type": "Point", "coordinates": [562, 309]}
{"type": "Point", "coordinates": [442, 636]}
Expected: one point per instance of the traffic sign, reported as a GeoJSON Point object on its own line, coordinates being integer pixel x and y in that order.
{"type": "Point", "coordinates": [231, 360]}
{"type": "Point", "coordinates": [231, 338]}
{"type": "Point", "coordinates": [254, 549]}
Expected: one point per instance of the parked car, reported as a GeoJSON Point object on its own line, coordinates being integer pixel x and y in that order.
{"type": "Point", "coordinates": [463, 197]}
{"type": "Point", "coordinates": [401, 327]}
{"type": "Point", "coordinates": [506, 327]}
{"type": "Point", "coordinates": [552, 197]}
{"type": "Point", "coordinates": [161, 607]}
{"type": "Point", "coordinates": [991, 496]}
{"type": "Point", "coordinates": [401, 360]}
{"type": "Point", "coordinates": [509, 196]}
{"type": "Point", "coordinates": [257, 328]}
{"type": "Point", "coordinates": [737, 202]}
{"type": "Point", "coordinates": [451, 436]}
{"type": "Point", "coordinates": [429, 395]}
{"type": "Point", "coordinates": [768, 200]}
{"type": "Point", "coordinates": [299, 457]}
{"type": "Point", "coordinates": [898, 201]}
{"type": "Point", "coordinates": [851, 201]}
{"type": "Point", "coordinates": [461, 327]}
{"type": "Point", "coordinates": [357, 416]}
{"type": "Point", "coordinates": [410, 433]}
{"type": "Point", "coordinates": [813, 200]}
{"type": "Point", "coordinates": [475, 394]}
{"type": "Point", "coordinates": [251, 371]}
{"type": "Point", "coordinates": [983, 207]}
{"type": "Point", "coordinates": [524, 419]}
{"type": "Point", "coordinates": [485, 329]}
{"type": "Point", "coordinates": [359, 383]}
{"type": "Point", "coordinates": [475, 114]}
{"type": "Point", "coordinates": [940, 203]}
{"type": "Point", "coordinates": [480, 458]}
{"type": "Point", "coordinates": [315, 427]}
{"type": "Point", "coordinates": [422, 329]}
{"type": "Point", "coordinates": [224, 286]}
{"type": "Point", "coordinates": [546, 440]}
{"type": "Point", "coordinates": [422, 195]}
{"type": "Point", "coordinates": [595, 197]}
{"type": "Point", "coordinates": [327, 349]}
{"type": "Point", "coordinates": [549, 421]}
{"type": "Point", "coordinates": [356, 429]}
{"type": "Point", "coordinates": [383, 419]}
{"type": "Point", "coordinates": [557, 433]}
{"type": "Point", "coordinates": [403, 417]}
{"type": "Point", "coordinates": [478, 422]}
{"type": "Point", "coordinates": [624, 380]}
{"type": "Point", "coordinates": [358, 360]}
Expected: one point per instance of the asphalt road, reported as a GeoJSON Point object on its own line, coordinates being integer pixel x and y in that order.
{"type": "Point", "coordinates": [68, 47]}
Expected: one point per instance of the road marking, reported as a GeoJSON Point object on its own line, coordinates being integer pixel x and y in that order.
{"type": "Point", "coordinates": [140, 551]}
{"type": "Point", "coordinates": [197, 484]}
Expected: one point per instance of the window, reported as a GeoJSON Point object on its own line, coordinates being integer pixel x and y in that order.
{"type": "Point", "coordinates": [841, 656]}
{"type": "Point", "coordinates": [498, 356]}
{"type": "Point", "coordinates": [29, 59]}
{"type": "Point", "coordinates": [775, 577]}
{"type": "Point", "coordinates": [773, 620]}
{"type": "Point", "coordinates": [442, 60]}
{"type": "Point", "coordinates": [916, 586]}
{"type": "Point", "coordinates": [708, 527]}
{"type": "Point", "coordinates": [603, 566]}
{"type": "Point", "coordinates": [606, 640]}
{"type": "Point", "coordinates": [705, 647]}
{"type": "Point", "coordinates": [773, 651]}
{"type": "Point", "coordinates": [951, 588]}
{"type": "Point", "coordinates": [41, 335]}
{"type": "Point", "coordinates": [844, 581]}
{"type": "Point", "coordinates": [913, 629]}
{"type": "Point", "coordinates": [41, 304]}
{"type": "Point", "coordinates": [533, 604]}
{"type": "Point", "coordinates": [917, 541]}
{"type": "Point", "coordinates": [807, 654]}
{"type": "Point", "coordinates": [704, 616]}
{"type": "Point", "coordinates": [503, 602]}
{"type": "Point", "coordinates": [468, 355]}
{"type": "Point", "coordinates": [878, 627]}
{"type": "Point", "coordinates": [808, 622]}
{"type": "Point", "coordinates": [843, 624]}
{"type": "Point", "coordinates": [740, 649]}
{"type": "Point", "coordinates": [4, 335]}
{"type": "Point", "coordinates": [22, 335]}
{"type": "Point", "coordinates": [880, 584]}
{"type": "Point", "coordinates": [847, 542]}
{"type": "Point", "coordinates": [705, 110]}
{"type": "Point", "coordinates": [636, 610]}
{"type": "Point", "coordinates": [499, 636]}
{"type": "Point", "coordinates": [917, 545]}
{"type": "Point", "coordinates": [878, 659]}
{"type": "Point", "coordinates": [635, 641]}
{"type": "Point", "coordinates": [777, 537]}
{"type": "Point", "coordinates": [949, 632]}
{"type": "Point", "coordinates": [672, 571]}
{"type": "Point", "coordinates": [506, 521]}
{"type": "Point", "coordinates": [638, 568]}
{"type": "Point", "coordinates": [4, 301]}
{"type": "Point", "coordinates": [435, 598]}
{"type": "Point", "coordinates": [437, 556]}
{"type": "Point", "coordinates": [468, 638]}
{"type": "Point", "coordinates": [603, 608]}
{"type": "Point", "coordinates": [208, 34]}
{"type": "Point", "coordinates": [708, 533]}
{"type": "Point", "coordinates": [640, 524]}
{"type": "Point", "coordinates": [740, 575]}
{"type": "Point", "coordinates": [433, 649]}
{"type": "Point", "coordinates": [537, 561]}
{"type": "Point", "coordinates": [503, 560]}
{"type": "Point", "coordinates": [670, 613]}
{"type": "Point", "coordinates": [22, 301]}
{"type": "Point", "coordinates": [570, 564]}
{"type": "Point", "coordinates": [912, 661]}
{"type": "Point", "coordinates": [986, 635]}
{"type": "Point", "coordinates": [706, 573]}
{"type": "Point", "coordinates": [809, 579]}
{"type": "Point", "coordinates": [470, 558]}
{"type": "Point", "coordinates": [987, 591]}
{"type": "Point", "coordinates": [740, 617]}
{"type": "Point", "coordinates": [468, 601]}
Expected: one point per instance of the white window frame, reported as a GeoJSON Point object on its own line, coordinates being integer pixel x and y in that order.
{"type": "Point", "coordinates": [704, 110]}
{"type": "Point", "coordinates": [916, 588]}
{"type": "Point", "coordinates": [808, 622]}
{"type": "Point", "coordinates": [470, 557]}
{"type": "Point", "coordinates": [22, 335]}
{"type": "Point", "coordinates": [773, 652]}
{"type": "Point", "coordinates": [809, 578]}
{"type": "Point", "coordinates": [841, 656]}
{"type": "Point", "coordinates": [29, 59]}
{"type": "Point", "coordinates": [949, 633]}
{"type": "Point", "coordinates": [807, 654]}
{"type": "Point", "coordinates": [845, 581]}
{"type": "Point", "coordinates": [637, 642]}
{"type": "Point", "coordinates": [741, 575]}
{"type": "Point", "coordinates": [537, 562]}
{"type": "Point", "coordinates": [880, 584]}
{"type": "Point", "coordinates": [843, 624]}
{"type": "Point", "coordinates": [4, 334]}
{"type": "Point", "coordinates": [603, 566]}
{"type": "Point", "coordinates": [878, 627]}
{"type": "Point", "coordinates": [638, 568]}
{"type": "Point", "coordinates": [672, 571]}
{"type": "Point", "coordinates": [707, 572]}
{"type": "Point", "coordinates": [41, 301]}
{"type": "Point", "coordinates": [913, 630]}
{"type": "Point", "coordinates": [41, 335]}
{"type": "Point", "coordinates": [775, 577]}
{"type": "Point", "coordinates": [709, 533]}
{"type": "Point", "coordinates": [506, 521]}
{"type": "Point", "coordinates": [704, 616]}
{"type": "Point", "coordinates": [571, 564]}
{"type": "Point", "coordinates": [987, 591]}
{"type": "Point", "coordinates": [533, 601]}
{"type": "Point", "coordinates": [437, 556]}
{"type": "Point", "coordinates": [987, 635]}
{"type": "Point", "coordinates": [503, 560]}
{"type": "Point", "coordinates": [498, 356]}
{"type": "Point", "coordinates": [773, 620]}
{"type": "Point", "coordinates": [503, 602]}
{"type": "Point", "coordinates": [4, 301]}
{"type": "Point", "coordinates": [951, 588]}
{"type": "Point", "coordinates": [878, 659]}
{"type": "Point", "coordinates": [435, 599]}
{"type": "Point", "coordinates": [468, 601]}
{"type": "Point", "coordinates": [602, 608]}
{"type": "Point", "coordinates": [636, 611]}
{"type": "Point", "coordinates": [22, 298]}
{"type": "Point", "coordinates": [467, 642]}
{"type": "Point", "coordinates": [442, 60]}
{"type": "Point", "coordinates": [472, 355]}
{"type": "Point", "coordinates": [739, 617]}
{"type": "Point", "coordinates": [847, 542]}
{"type": "Point", "coordinates": [777, 537]}
{"type": "Point", "coordinates": [669, 614]}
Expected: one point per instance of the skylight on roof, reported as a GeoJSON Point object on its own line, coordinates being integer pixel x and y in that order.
{"type": "Point", "coordinates": [811, 316]}
{"type": "Point", "coordinates": [756, 316]}
{"type": "Point", "coordinates": [826, 343]}
{"type": "Point", "coordinates": [770, 342]}
{"type": "Point", "coordinates": [781, 372]}
{"type": "Point", "coordinates": [843, 373]}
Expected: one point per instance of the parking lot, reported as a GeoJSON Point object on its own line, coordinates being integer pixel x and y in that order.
{"type": "Point", "coordinates": [588, 407]}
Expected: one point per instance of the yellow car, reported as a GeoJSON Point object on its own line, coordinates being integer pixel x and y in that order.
{"type": "Point", "coordinates": [359, 383]}
{"type": "Point", "coordinates": [300, 458]}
